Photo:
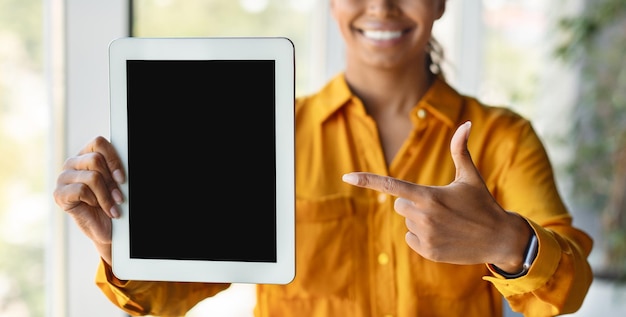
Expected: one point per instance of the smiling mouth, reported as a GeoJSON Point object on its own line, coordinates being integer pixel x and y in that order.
{"type": "Point", "coordinates": [381, 35]}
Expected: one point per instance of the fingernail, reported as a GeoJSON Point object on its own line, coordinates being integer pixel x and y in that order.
{"type": "Point", "coordinates": [118, 176]}
{"type": "Point", "coordinates": [117, 196]}
{"type": "Point", "coordinates": [350, 178]}
{"type": "Point", "coordinates": [468, 127]}
{"type": "Point", "coordinates": [114, 212]}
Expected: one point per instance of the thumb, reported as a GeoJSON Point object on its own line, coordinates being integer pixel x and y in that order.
{"type": "Point", "coordinates": [465, 169]}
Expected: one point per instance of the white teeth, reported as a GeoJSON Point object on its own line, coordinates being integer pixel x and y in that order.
{"type": "Point", "coordinates": [382, 35]}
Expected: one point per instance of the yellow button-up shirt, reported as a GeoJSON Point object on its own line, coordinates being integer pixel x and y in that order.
{"type": "Point", "coordinates": [351, 255]}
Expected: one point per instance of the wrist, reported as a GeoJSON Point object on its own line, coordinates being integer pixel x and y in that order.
{"type": "Point", "coordinates": [530, 254]}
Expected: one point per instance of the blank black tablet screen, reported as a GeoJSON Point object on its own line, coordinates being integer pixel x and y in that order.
{"type": "Point", "coordinates": [201, 159]}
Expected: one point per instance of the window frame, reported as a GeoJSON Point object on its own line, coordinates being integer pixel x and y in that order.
{"type": "Point", "coordinates": [80, 31]}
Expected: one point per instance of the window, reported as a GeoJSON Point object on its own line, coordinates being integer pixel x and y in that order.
{"type": "Point", "coordinates": [297, 20]}
{"type": "Point", "coordinates": [24, 124]}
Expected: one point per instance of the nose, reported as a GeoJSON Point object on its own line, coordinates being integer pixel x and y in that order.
{"type": "Point", "coordinates": [381, 7]}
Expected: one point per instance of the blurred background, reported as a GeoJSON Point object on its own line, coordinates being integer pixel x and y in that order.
{"type": "Point", "coordinates": [560, 63]}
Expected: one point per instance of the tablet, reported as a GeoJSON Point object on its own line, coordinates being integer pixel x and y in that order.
{"type": "Point", "coordinates": [205, 130]}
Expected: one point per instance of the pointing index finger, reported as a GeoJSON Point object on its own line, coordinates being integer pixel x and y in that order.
{"type": "Point", "coordinates": [383, 184]}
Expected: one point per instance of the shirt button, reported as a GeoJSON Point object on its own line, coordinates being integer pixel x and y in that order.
{"type": "Point", "coordinates": [382, 198]}
{"type": "Point", "coordinates": [421, 113]}
{"type": "Point", "coordinates": [383, 258]}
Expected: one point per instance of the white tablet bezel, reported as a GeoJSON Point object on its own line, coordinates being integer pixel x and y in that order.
{"type": "Point", "coordinates": [280, 50]}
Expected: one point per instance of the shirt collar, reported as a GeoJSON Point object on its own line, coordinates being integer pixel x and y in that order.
{"type": "Point", "coordinates": [440, 99]}
{"type": "Point", "coordinates": [443, 101]}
